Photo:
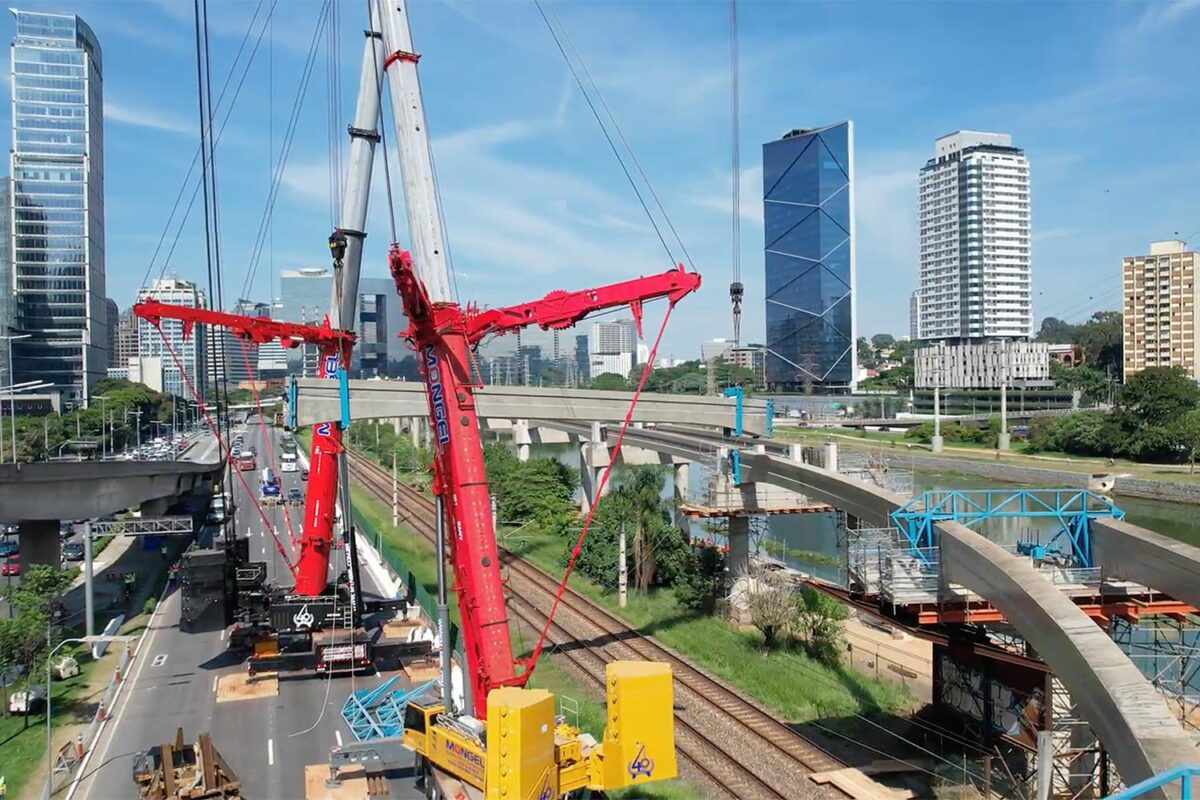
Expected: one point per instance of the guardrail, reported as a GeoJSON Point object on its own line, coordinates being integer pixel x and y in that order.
{"type": "Point", "coordinates": [1186, 775]}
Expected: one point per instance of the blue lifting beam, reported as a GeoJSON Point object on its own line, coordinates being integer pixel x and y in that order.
{"type": "Point", "coordinates": [292, 396]}
{"type": "Point", "coordinates": [739, 395]}
{"type": "Point", "coordinates": [379, 713]}
{"type": "Point", "coordinates": [1071, 509]}
{"type": "Point", "coordinates": [344, 397]}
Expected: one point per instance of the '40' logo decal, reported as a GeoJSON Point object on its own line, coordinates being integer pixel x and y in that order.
{"type": "Point", "coordinates": [325, 429]}
{"type": "Point", "coordinates": [641, 764]}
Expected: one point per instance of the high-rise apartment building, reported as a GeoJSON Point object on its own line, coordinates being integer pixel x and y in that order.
{"type": "Point", "coordinates": [57, 163]}
{"type": "Point", "coordinates": [974, 247]}
{"type": "Point", "coordinates": [808, 219]}
{"type": "Point", "coordinates": [170, 344]}
{"type": "Point", "coordinates": [914, 316]}
{"type": "Point", "coordinates": [612, 347]}
{"type": "Point", "coordinates": [1161, 298]}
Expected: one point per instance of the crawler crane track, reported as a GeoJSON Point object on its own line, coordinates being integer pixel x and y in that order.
{"type": "Point", "coordinates": [775, 756]}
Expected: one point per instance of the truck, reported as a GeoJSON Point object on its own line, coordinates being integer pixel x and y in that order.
{"type": "Point", "coordinates": [269, 489]}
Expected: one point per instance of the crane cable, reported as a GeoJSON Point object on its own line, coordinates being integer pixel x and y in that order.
{"type": "Point", "coordinates": [604, 129]}
{"type": "Point", "coordinates": [736, 289]}
{"type": "Point", "coordinates": [647, 368]}
{"type": "Point", "coordinates": [223, 445]}
{"type": "Point", "coordinates": [637, 163]}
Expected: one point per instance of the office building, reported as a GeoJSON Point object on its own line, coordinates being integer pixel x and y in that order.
{"type": "Point", "coordinates": [112, 321]}
{"type": "Point", "coordinates": [716, 348]}
{"type": "Point", "coordinates": [808, 219]}
{"type": "Point", "coordinates": [127, 339]}
{"type": "Point", "coordinates": [752, 357]}
{"type": "Point", "coordinates": [612, 347]}
{"type": "Point", "coordinates": [230, 357]}
{"type": "Point", "coordinates": [983, 365]}
{"type": "Point", "coordinates": [190, 353]}
{"type": "Point", "coordinates": [974, 246]}
{"type": "Point", "coordinates": [305, 295]}
{"type": "Point", "coordinates": [582, 362]}
{"type": "Point", "coordinates": [7, 303]}
{"type": "Point", "coordinates": [57, 168]}
{"type": "Point", "coordinates": [1161, 298]}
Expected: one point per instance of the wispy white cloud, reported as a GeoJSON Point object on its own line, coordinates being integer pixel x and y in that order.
{"type": "Point", "coordinates": [714, 194]}
{"type": "Point", "coordinates": [1160, 15]}
{"type": "Point", "coordinates": [146, 118]}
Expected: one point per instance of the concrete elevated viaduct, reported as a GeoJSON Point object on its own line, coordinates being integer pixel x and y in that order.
{"type": "Point", "coordinates": [38, 496]}
{"type": "Point", "coordinates": [317, 400]}
{"type": "Point", "coordinates": [1125, 710]}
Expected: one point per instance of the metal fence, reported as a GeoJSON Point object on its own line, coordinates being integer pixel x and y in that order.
{"type": "Point", "coordinates": [415, 591]}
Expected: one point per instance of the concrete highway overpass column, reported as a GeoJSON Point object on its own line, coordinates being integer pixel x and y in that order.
{"type": "Point", "coordinates": [39, 542]}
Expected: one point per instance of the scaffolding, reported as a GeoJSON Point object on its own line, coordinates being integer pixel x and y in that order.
{"type": "Point", "coordinates": [1166, 649]}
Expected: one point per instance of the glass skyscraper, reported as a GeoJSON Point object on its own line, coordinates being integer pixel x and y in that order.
{"type": "Point", "coordinates": [808, 220]}
{"type": "Point", "coordinates": [305, 294]}
{"type": "Point", "coordinates": [57, 218]}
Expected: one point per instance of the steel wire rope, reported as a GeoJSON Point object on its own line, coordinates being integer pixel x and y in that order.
{"type": "Point", "coordinates": [625, 142]}
{"type": "Point", "coordinates": [224, 123]}
{"type": "Point", "coordinates": [223, 445]}
{"type": "Point", "coordinates": [250, 371]}
{"type": "Point", "coordinates": [195, 156]}
{"type": "Point", "coordinates": [647, 368]}
{"type": "Point", "coordinates": [286, 146]}
{"type": "Point", "coordinates": [604, 129]}
{"type": "Point", "coordinates": [222, 388]}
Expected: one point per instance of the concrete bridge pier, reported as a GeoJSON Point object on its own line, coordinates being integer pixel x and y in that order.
{"type": "Point", "coordinates": [39, 542]}
{"type": "Point", "coordinates": [593, 458]}
{"type": "Point", "coordinates": [414, 431]}
{"type": "Point", "coordinates": [739, 547]}
{"type": "Point", "coordinates": [521, 438]}
{"type": "Point", "coordinates": [682, 474]}
{"type": "Point", "coordinates": [831, 456]}
{"type": "Point", "coordinates": [796, 452]}
{"type": "Point", "coordinates": [396, 426]}
{"type": "Point", "coordinates": [157, 507]}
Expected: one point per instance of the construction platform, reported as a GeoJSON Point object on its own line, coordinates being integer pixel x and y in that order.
{"type": "Point", "coordinates": [701, 511]}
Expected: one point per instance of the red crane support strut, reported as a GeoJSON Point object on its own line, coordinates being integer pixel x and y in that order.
{"type": "Point", "coordinates": [443, 335]}
{"type": "Point", "coordinates": [316, 538]}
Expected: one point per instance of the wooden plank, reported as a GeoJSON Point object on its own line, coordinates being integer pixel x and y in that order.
{"type": "Point", "coordinates": [207, 767]}
{"type": "Point", "coordinates": [168, 767]}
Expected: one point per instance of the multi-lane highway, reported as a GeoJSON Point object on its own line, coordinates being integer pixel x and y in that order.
{"type": "Point", "coordinates": [267, 741]}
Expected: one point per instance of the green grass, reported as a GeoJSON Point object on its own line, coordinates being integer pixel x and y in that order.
{"type": "Point", "coordinates": [23, 739]}
{"type": "Point", "coordinates": [809, 690]}
{"type": "Point", "coordinates": [417, 555]}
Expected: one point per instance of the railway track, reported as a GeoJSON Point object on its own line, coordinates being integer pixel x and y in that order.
{"type": "Point", "coordinates": [774, 756]}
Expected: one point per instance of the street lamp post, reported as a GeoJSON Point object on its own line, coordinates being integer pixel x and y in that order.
{"type": "Point", "coordinates": [1004, 441]}
{"type": "Point", "coordinates": [49, 710]}
{"type": "Point", "coordinates": [12, 397]}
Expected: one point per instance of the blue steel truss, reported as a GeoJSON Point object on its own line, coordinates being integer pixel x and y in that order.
{"type": "Point", "coordinates": [379, 713]}
{"type": "Point", "coordinates": [1072, 509]}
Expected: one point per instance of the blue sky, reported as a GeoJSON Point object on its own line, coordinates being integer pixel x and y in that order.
{"type": "Point", "coordinates": [1103, 97]}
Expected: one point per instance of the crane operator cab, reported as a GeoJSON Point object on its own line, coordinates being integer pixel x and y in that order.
{"type": "Point", "coordinates": [526, 752]}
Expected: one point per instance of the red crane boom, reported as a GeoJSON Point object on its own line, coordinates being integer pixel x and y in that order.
{"type": "Point", "coordinates": [443, 335]}
{"type": "Point", "coordinates": [316, 538]}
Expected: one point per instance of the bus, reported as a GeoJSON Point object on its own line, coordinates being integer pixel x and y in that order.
{"type": "Point", "coordinates": [287, 462]}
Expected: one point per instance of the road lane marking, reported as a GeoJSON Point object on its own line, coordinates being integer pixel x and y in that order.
{"type": "Point", "coordinates": [223, 634]}
{"type": "Point", "coordinates": [214, 684]}
{"type": "Point", "coordinates": [338, 735]}
{"type": "Point", "coordinates": [159, 660]}
{"type": "Point", "coordinates": [270, 752]}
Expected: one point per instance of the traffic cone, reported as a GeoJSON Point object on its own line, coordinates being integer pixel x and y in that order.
{"type": "Point", "coordinates": [101, 712]}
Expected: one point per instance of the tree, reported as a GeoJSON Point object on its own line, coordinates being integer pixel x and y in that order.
{"type": "Point", "coordinates": [703, 580]}
{"type": "Point", "coordinates": [1186, 431]}
{"type": "Point", "coordinates": [771, 607]}
{"type": "Point", "coordinates": [1156, 397]}
{"type": "Point", "coordinates": [1057, 331]}
{"type": "Point", "coordinates": [610, 381]}
{"type": "Point", "coordinates": [818, 624]}
{"type": "Point", "coordinates": [1102, 339]}
{"type": "Point", "coordinates": [882, 341]}
{"type": "Point", "coordinates": [1092, 382]}
{"type": "Point", "coordinates": [866, 353]}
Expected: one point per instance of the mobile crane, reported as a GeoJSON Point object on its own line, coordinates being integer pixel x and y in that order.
{"type": "Point", "coordinates": [507, 742]}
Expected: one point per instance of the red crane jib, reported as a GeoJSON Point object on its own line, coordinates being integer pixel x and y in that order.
{"type": "Point", "coordinates": [443, 334]}
{"type": "Point", "coordinates": [316, 538]}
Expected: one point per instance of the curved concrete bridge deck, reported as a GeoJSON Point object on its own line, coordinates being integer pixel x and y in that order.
{"type": "Point", "coordinates": [1127, 713]}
